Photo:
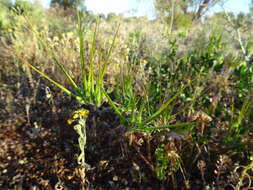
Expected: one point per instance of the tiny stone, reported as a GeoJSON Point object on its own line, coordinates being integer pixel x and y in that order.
{"type": "Point", "coordinates": [136, 167]}
{"type": "Point", "coordinates": [21, 162]}
{"type": "Point", "coordinates": [115, 178]}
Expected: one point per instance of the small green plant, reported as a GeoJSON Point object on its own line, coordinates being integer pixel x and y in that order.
{"type": "Point", "coordinates": [143, 120]}
{"type": "Point", "coordinates": [243, 75]}
{"type": "Point", "coordinates": [168, 161]}
{"type": "Point", "coordinates": [91, 88]}
{"type": "Point", "coordinates": [162, 162]}
{"type": "Point", "coordinates": [238, 124]}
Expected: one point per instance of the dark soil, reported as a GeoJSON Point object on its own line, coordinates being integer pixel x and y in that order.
{"type": "Point", "coordinates": [43, 156]}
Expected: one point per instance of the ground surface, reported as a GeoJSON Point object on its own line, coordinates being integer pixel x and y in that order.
{"type": "Point", "coordinates": [41, 153]}
{"type": "Point", "coordinates": [39, 149]}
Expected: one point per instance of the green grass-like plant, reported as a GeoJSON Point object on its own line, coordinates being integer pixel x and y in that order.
{"type": "Point", "coordinates": [141, 120]}
{"type": "Point", "coordinates": [90, 90]}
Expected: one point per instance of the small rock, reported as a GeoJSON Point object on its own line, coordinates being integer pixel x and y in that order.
{"type": "Point", "coordinates": [115, 178]}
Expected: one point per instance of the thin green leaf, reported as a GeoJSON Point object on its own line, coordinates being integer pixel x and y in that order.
{"type": "Point", "coordinates": [162, 108]}
{"type": "Point", "coordinates": [110, 49]}
{"type": "Point", "coordinates": [171, 126]}
{"type": "Point", "coordinates": [68, 92]}
{"type": "Point", "coordinates": [81, 44]}
{"type": "Point", "coordinates": [92, 57]}
{"type": "Point", "coordinates": [50, 51]}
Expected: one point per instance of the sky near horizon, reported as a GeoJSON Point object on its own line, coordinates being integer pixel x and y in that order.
{"type": "Point", "coordinates": [146, 7]}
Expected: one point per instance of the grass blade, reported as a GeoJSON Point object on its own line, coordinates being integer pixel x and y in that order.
{"type": "Point", "coordinates": [81, 45]}
{"type": "Point", "coordinates": [171, 126]}
{"type": "Point", "coordinates": [92, 57]}
{"type": "Point", "coordinates": [68, 92]}
{"type": "Point", "coordinates": [110, 50]}
{"type": "Point", "coordinates": [161, 109]}
{"type": "Point", "coordinates": [51, 52]}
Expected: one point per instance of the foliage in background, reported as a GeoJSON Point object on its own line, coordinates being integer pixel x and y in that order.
{"type": "Point", "coordinates": [5, 6]}
{"type": "Point", "coordinates": [182, 13]}
{"type": "Point", "coordinates": [71, 4]}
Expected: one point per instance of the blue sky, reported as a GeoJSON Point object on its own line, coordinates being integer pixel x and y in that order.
{"type": "Point", "coordinates": [235, 6]}
{"type": "Point", "coordinates": [145, 7]}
